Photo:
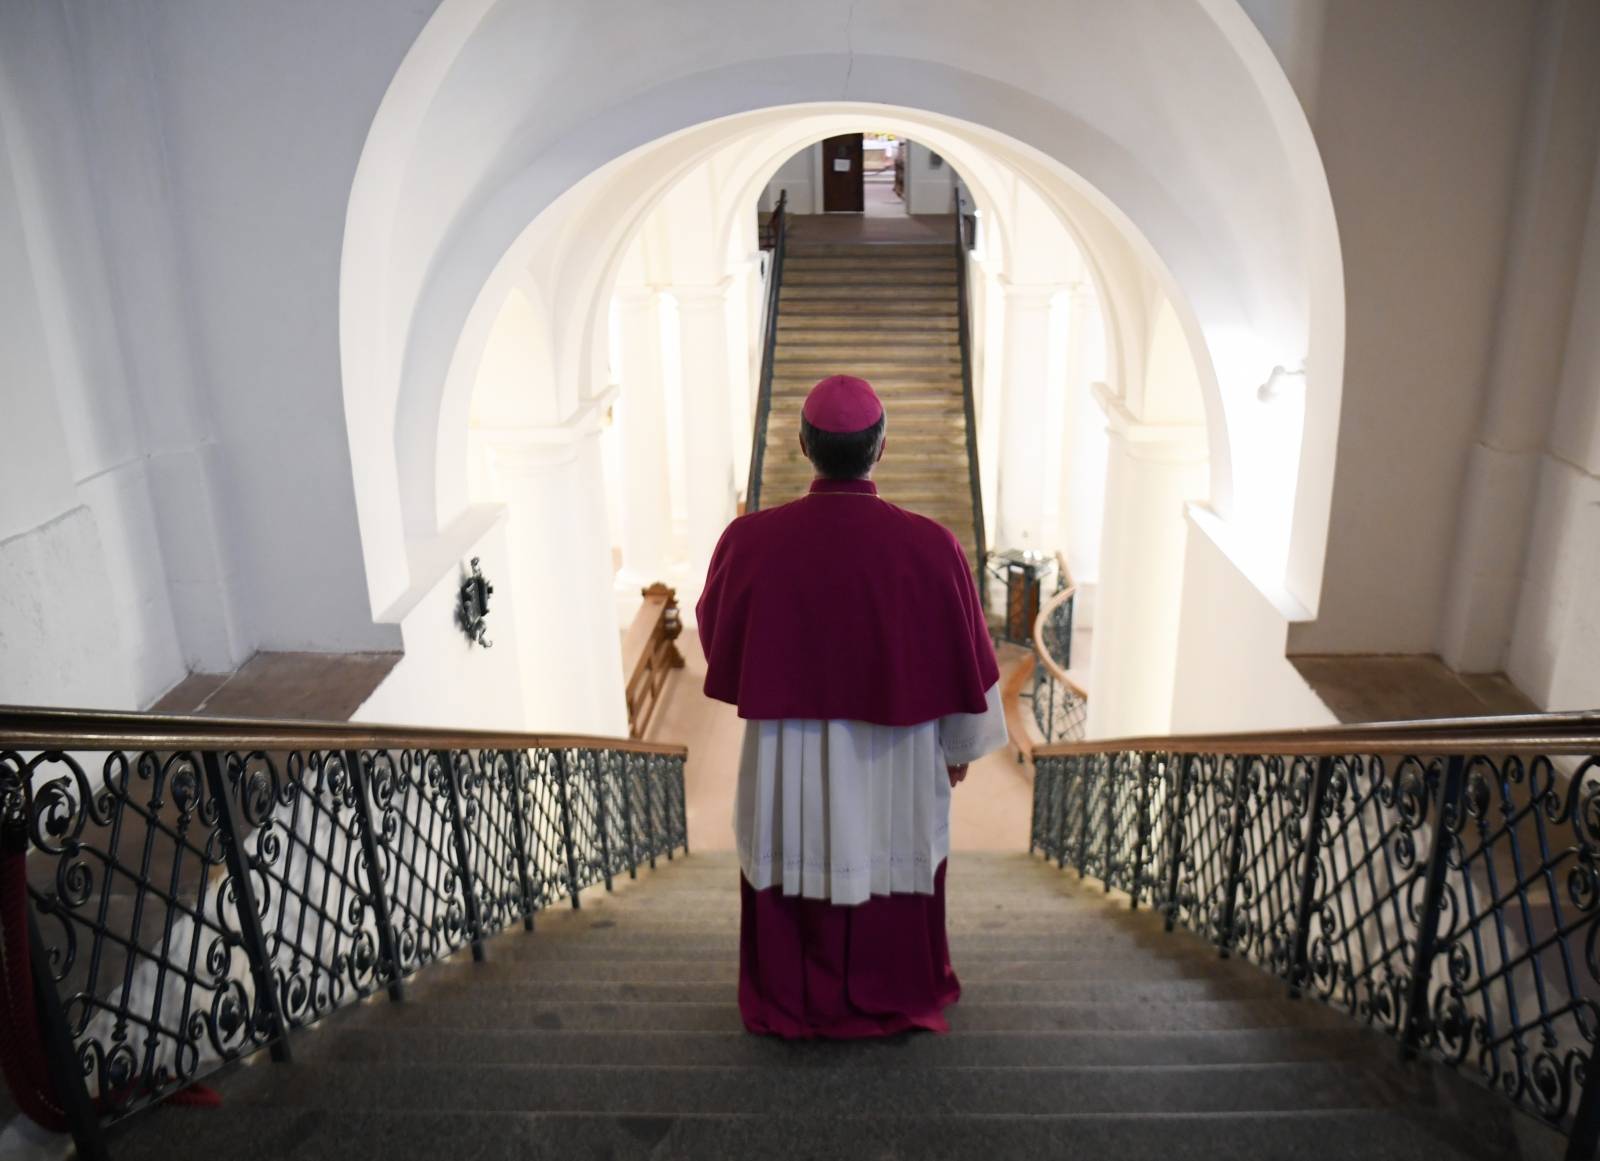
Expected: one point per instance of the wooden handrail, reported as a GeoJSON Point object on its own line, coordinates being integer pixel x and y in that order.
{"type": "Point", "coordinates": [1563, 733]}
{"type": "Point", "coordinates": [1043, 654]}
{"type": "Point", "coordinates": [650, 654]}
{"type": "Point", "coordinates": [27, 728]}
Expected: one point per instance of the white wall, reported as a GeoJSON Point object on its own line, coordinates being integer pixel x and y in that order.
{"type": "Point", "coordinates": [798, 177]}
{"type": "Point", "coordinates": [1554, 654]}
{"type": "Point", "coordinates": [174, 186]}
{"type": "Point", "coordinates": [443, 679]}
{"type": "Point", "coordinates": [930, 188]}
{"type": "Point", "coordinates": [1416, 110]}
{"type": "Point", "coordinates": [86, 618]}
{"type": "Point", "coordinates": [1231, 671]}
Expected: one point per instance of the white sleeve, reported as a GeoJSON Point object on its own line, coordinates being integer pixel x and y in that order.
{"type": "Point", "coordinates": [968, 737]}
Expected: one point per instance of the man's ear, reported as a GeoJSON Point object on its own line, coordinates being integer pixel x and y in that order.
{"type": "Point", "coordinates": [805, 451]}
{"type": "Point", "coordinates": [883, 445]}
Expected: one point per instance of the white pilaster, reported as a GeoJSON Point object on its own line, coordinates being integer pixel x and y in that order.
{"type": "Point", "coordinates": [1153, 471]}
{"type": "Point", "coordinates": [551, 481]}
{"type": "Point", "coordinates": [647, 497]}
{"type": "Point", "coordinates": [1024, 398]}
{"type": "Point", "coordinates": [708, 440]}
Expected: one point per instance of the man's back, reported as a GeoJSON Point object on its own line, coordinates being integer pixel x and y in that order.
{"type": "Point", "coordinates": [867, 609]}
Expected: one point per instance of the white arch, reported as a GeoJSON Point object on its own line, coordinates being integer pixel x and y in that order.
{"type": "Point", "coordinates": [1172, 119]}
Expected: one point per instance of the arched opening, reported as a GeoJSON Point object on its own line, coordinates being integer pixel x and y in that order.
{"type": "Point", "coordinates": [573, 213]}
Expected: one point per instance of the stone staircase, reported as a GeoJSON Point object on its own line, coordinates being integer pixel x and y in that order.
{"type": "Point", "coordinates": [888, 313]}
{"type": "Point", "coordinates": [1085, 1031]}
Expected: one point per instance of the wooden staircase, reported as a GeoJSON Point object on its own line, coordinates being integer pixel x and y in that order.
{"type": "Point", "coordinates": [887, 312]}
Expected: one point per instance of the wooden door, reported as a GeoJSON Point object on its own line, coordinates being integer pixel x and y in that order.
{"type": "Point", "coordinates": [842, 188]}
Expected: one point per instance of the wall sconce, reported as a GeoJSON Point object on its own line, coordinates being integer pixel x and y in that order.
{"type": "Point", "coordinates": [1274, 385]}
{"type": "Point", "coordinates": [472, 606]}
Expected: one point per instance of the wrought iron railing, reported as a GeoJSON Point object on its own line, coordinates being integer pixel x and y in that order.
{"type": "Point", "coordinates": [774, 237]}
{"type": "Point", "coordinates": [198, 890]}
{"type": "Point", "coordinates": [1438, 881]}
{"type": "Point", "coordinates": [963, 242]}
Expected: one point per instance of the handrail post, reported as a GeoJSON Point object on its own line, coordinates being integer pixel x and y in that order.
{"type": "Point", "coordinates": [63, 1073]}
{"type": "Point", "coordinates": [601, 821]}
{"type": "Point", "coordinates": [1109, 842]}
{"type": "Point", "coordinates": [648, 783]}
{"type": "Point", "coordinates": [66, 1077]}
{"type": "Point", "coordinates": [1141, 825]}
{"type": "Point", "coordinates": [1083, 824]}
{"type": "Point", "coordinates": [469, 892]}
{"type": "Point", "coordinates": [1175, 861]}
{"type": "Point", "coordinates": [626, 782]}
{"type": "Point", "coordinates": [244, 902]}
{"type": "Point", "coordinates": [678, 773]}
{"type": "Point", "coordinates": [377, 892]}
{"type": "Point", "coordinates": [1583, 1141]}
{"type": "Point", "coordinates": [1299, 968]}
{"type": "Point", "coordinates": [519, 830]}
{"type": "Point", "coordinates": [1416, 1017]}
{"type": "Point", "coordinates": [1235, 855]}
{"type": "Point", "coordinates": [564, 794]}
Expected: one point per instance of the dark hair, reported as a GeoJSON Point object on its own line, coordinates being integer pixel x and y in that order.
{"type": "Point", "coordinates": [843, 455]}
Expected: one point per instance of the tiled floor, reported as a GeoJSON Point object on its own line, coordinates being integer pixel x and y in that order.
{"type": "Point", "coordinates": [325, 687]}
{"type": "Point", "coordinates": [991, 810]}
{"type": "Point", "coordinates": [1361, 688]}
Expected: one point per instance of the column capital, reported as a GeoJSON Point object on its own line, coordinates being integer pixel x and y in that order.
{"type": "Point", "coordinates": [1037, 295]}
{"type": "Point", "coordinates": [637, 296]}
{"type": "Point", "coordinates": [554, 443]}
{"type": "Point", "coordinates": [701, 296]}
{"type": "Point", "coordinates": [1166, 442]}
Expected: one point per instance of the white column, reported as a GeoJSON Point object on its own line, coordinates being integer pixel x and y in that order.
{"type": "Point", "coordinates": [742, 330]}
{"type": "Point", "coordinates": [1154, 470]}
{"type": "Point", "coordinates": [1083, 474]}
{"type": "Point", "coordinates": [708, 442]}
{"type": "Point", "coordinates": [647, 497]}
{"type": "Point", "coordinates": [988, 368]}
{"type": "Point", "coordinates": [551, 481]}
{"type": "Point", "coordinates": [1024, 399]}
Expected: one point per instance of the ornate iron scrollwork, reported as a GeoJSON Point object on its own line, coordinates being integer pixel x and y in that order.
{"type": "Point", "coordinates": [472, 607]}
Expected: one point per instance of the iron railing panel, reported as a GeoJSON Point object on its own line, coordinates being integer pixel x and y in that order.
{"type": "Point", "coordinates": [190, 907]}
{"type": "Point", "coordinates": [1446, 897]}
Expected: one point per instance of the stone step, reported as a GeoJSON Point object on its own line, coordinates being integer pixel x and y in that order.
{"type": "Point", "coordinates": [866, 337]}
{"type": "Point", "coordinates": [798, 373]}
{"type": "Point", "coordinates": [719, 987]}
{"type": "Point", "coordinates": [870, 275]}
{"type": "Point", "coordinates": [974, 1049]}
{"type": "Point", "coordinates": [879, 311]}
{"type": "Point", "coordinates": [853, 324]}
{"type": "Point", "coordinates": [901, 390]}
{"type": "Point", "coordinates": [891, 292]}
{"type": "Point", "coordinates": [867, 251]}
{"type": "Point", "coordinates": [311, 1134]}
{"type": "Point", "coordinates": [912, 419]}
{"type": "Point", "coordinates": [908, 359]}
{"type": "Point", "coordinates": [469, 1011]}
{"type": "Point", "coordinates": [624, 962]}
{"type": "Point", "coordinates": [931, 474]}
{"type": "Point", "coordinates": [875, 259]}
{"type": "Point", "coordinates": [973, 938]}
{"type": "Point", "coordinates": [710, 1090]}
